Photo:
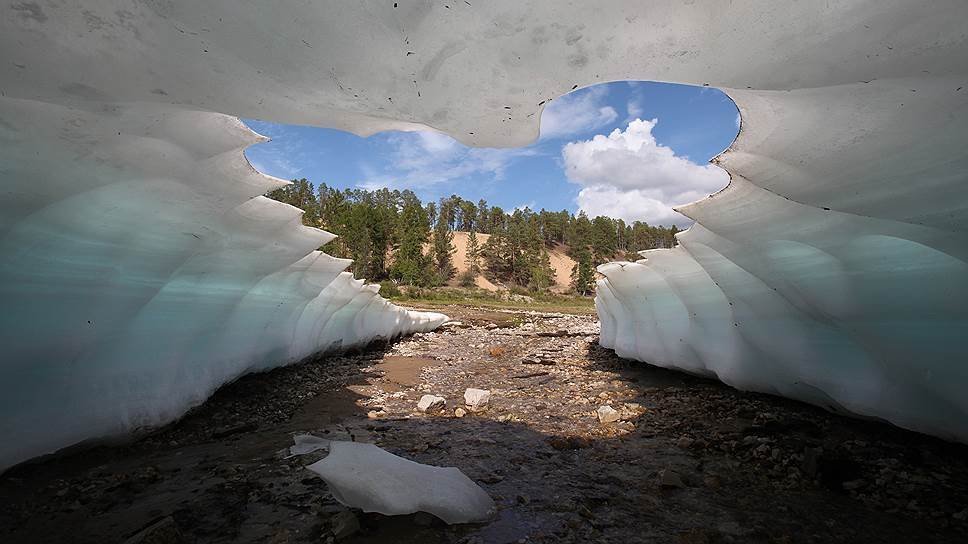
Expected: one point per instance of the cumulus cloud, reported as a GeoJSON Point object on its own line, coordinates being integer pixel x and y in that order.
{"type": "Point", "coordinates": [577, 112]}
{"type": "Point", "coordinates": [628, 174]}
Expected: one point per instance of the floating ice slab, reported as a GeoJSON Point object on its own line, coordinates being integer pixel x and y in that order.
{"type": "Point", "coordinates": [141, 269]}
{"type": "Point", "coordinates": [374, 480]}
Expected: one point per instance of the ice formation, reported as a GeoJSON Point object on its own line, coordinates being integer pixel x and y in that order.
{"type": "Point", "coordinates": [307, 443]}
{"type": "Point", "coordinates": [140, 269]}
{"type": "Point", "coordinates": [374, 480]}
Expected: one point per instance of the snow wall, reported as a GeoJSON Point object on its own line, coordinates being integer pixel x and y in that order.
{"type": "Point", "coordinates": [139, 268]}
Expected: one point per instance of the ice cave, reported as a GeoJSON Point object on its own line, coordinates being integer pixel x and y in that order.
{"type": "Point", "coordinates": [831, 270]}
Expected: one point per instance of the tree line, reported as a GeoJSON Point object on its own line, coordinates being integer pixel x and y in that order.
{"type": "Point", "coordinates": [391, 234]}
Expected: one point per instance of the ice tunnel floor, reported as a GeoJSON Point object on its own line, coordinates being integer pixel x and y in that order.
{"type": "Point", "coordinates": [753, 468]}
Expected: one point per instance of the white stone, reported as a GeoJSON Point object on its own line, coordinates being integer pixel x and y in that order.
{"type": "Point", "coordinates": [607, 414]}
{"type": "Point", "coordinates": [431, 403]}
{"type": "Point", "coordinates": [476, 399]}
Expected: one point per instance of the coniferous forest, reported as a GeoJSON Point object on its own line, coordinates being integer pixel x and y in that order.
{"type": "Point", "coordinates": [391, 234]}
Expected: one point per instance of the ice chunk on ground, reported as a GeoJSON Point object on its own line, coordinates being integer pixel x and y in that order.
{"type": "Point", "coordinates": [307, 443]}
{"type": "Point", "coordinates": [367, 477]}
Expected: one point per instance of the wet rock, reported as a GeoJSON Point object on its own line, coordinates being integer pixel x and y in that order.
{"type": "Point", "coordinates": [229, 430]}
{"type": "Point", "coordinates": [607, 414]}
{"type": "Point", "coordinates": [476, 399]}
{"type": "Point", "coordinates": [632, 410]}
{"type": "Point", "coordinates": [431, 403]}
{"type": "Point", "coordinates": [670, 479]}
{"type": "Point", "coordinates": [554, 334]}
{"type": "Point", "coordinates": [456, 325]}
{"type": "Point", "coordinates": [532, 360]}
{"type": "Point", "coordinates": [685, 442]}
{"type": "Point", "coordinates": [344, 524]}
{"type": "Point", "coordinates": [163, 531]}
{"type": "Point", "coordinates": [810, 463]}
{"type": "Point", "coordinates": [568, 442]}
{"type": "Point", "coordinates": [492, 478]}
{"type": "Point", "coordinates": [282, 536]}
{"type": "Point", "coordinates": [529, 375]}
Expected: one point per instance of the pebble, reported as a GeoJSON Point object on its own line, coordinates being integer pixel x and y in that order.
{"type": "Point", "coordinates": [163, 531]}
{"type": "Point", "coordinates": [669, 478]}
{"type": "Point", "coordinates": [460, 412]}
{"type": "Point", "coordinates": [344, 524]}
{"type": "Point", "coordinates": [607, 414]}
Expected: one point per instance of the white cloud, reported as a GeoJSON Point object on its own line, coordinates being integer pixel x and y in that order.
{"type": "Point", "coordinates": [423, 159]}
{"type": "Point", "coordinates": [631, 206]}
{"type": "Point", "coordinates": [634, 109]}
{"type": "Point", "coordinates": [577, 112]}
{"type": "Point", "coordinates": [521, 207]}
{"type": "Point", "coordinates": [628, 174]}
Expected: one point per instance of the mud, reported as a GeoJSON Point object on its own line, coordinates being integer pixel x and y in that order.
{"type": "Point", "coordinates": [689, 460]}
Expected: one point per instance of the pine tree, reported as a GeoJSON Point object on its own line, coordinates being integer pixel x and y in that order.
{"type": "Point", "coordinates": [542, 275]}
{"type": "Point", "coordinates": [443, 250]}
{"type": "Point", "coordinates": [410, 265]}
{"type": "Point", "coordinates": [301, 194]}
{"type": "Point", "coordinates": [473, 259]}
{"type": "Point", "coordinates": [582, 274]}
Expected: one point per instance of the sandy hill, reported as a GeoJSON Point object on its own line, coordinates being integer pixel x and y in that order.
{"type": "Point", "coordinates": [560, 262]}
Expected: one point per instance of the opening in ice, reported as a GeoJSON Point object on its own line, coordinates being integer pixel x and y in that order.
{"type": "Point", "coordinates": [610, 164]}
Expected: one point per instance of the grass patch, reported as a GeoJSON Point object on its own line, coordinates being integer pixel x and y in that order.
{"type": "Point", "coordinates": [444, 296]}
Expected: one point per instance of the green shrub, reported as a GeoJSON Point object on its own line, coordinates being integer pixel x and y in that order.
{"type": "Point", "coordinates": [388, 289]}
{"type": "Point", "coordinates": [466, 279]}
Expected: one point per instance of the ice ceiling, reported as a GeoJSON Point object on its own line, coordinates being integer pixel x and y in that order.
{"type": "Point", "coordinates": [140, 268]}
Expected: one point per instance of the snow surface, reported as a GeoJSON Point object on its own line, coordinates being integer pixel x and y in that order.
{"type": "Point", "coordinates": [140, 269]}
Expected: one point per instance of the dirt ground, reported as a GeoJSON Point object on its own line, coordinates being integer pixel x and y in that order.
{"type": "Point", "coordinates": [689, 461]}
{"type": "Point", "coordinates": [558, 258]}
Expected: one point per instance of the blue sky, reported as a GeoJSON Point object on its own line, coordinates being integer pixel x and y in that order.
{"type": "Point", "coordinates": [624, 149]}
